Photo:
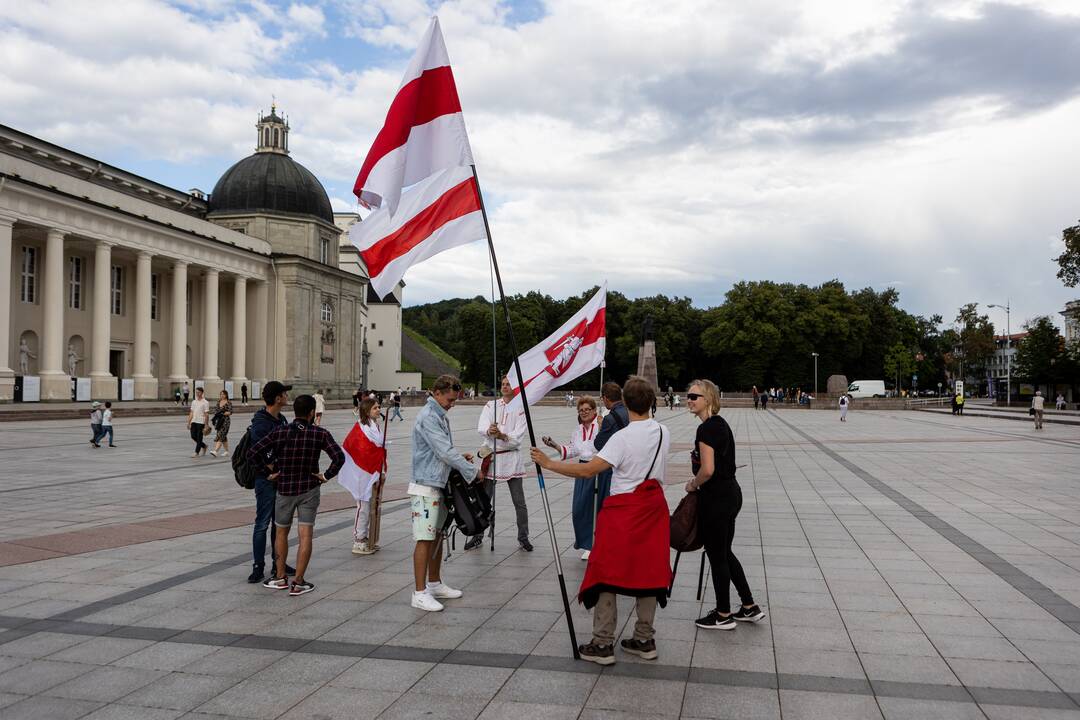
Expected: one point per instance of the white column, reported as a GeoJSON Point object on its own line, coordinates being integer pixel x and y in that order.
{"type": "Point", "coordinates": [145, 383]}
{"type": "Point", "coordinates": [239, 371]}
{"type": "Point", "coordinates": [213, 384]}
{"type": "Point", "coordinates": [102, 383]}
{"type": "Point", "coordinates": [55, 384]}
{"type": "Point", "coordinates": [178, 370]}
{"type": "Point", "coordinates": [262, 305]}
{"type": "Point", "coordinates": [7, 375]}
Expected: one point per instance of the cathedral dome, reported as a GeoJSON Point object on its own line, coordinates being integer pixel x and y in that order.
{"type": "Point", "coordinates": [270, 180]}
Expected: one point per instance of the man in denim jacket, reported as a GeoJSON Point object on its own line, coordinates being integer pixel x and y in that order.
{"type": "Point", "coordinates": [433, 456]}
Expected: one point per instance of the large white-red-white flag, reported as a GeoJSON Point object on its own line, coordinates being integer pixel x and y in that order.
{"type": "Point", "coordinates": [424, 131]}
{"type": "Point", "coordinates": [441, 212]}
{"type": "Point", "coordinates": [365, 453]}
{"type": "Point", "coordinates": [571, 351]}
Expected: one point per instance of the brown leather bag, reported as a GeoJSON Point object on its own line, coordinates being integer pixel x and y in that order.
{"type": "Point", "coordinates": [684, 525]}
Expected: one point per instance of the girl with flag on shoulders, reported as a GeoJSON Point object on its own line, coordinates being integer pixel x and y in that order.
{"type": "Point", "coordinates": [365, 455]}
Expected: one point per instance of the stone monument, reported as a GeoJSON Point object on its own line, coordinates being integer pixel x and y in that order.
{"type": "Point", "coordinates": [646, 359]}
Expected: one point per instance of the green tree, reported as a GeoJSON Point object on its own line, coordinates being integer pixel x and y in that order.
{"type": "Point", "coordinates": [975, 339]}
{"type": "Point", "coordinates": [899, 363]}
{"type": "Point", "coordinates": [1069, 261]}
{"type": "Point", "coordinates": [1040, 356]}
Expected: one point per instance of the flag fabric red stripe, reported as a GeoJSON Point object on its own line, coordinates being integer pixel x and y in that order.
{"type": "Point", "coordinates": [594, 331]}
{"type": "Point", "coordinates": [420, 101]}
{"type": "Point", "coordinates": [456, 202]}
{"type": "Point", "coordinates": [367, 455]}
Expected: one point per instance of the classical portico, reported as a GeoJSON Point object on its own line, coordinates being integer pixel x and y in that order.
{"type": "Point", "coordinates": [115, 287]}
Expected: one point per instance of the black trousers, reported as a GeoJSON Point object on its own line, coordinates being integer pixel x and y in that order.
{"type": "Point", "coordinates": [197, 436]}
{"type": "Point", "coordinates": [717, 522]}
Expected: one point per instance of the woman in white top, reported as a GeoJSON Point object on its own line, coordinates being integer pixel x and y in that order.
{"type": "Point", "coordinates": [588, 493]}
{"type": "Point", "coordinates": [844, 403]}
{"type": "Point", "coordinates": [503, 432]}
{"type": "Point", "coordinates": [631, 553]}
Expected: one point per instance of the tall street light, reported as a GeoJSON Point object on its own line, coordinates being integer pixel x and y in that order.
{"type": "Point", "coordinates": [815, 374]}
{"type": "Point", "coordinates": [1008, 355]}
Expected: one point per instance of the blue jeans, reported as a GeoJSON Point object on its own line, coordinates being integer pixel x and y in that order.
{"type": "Point", "coordinates": [106, 430]}
{"type": "Point", "coordinates": [395, 412]}
{"type": "Point", "coordinates": [265, 496]}
{"type": "Point", "coordinates": [583, 507]}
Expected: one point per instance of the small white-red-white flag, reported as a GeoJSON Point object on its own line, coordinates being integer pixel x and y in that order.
{"type": "Point", "coordinates": [424, 131]}
{"type": "Point", "coordinates": [365, 454]}
{"type": "Point", "coordinates": [571, 351]}
{"type": "Point", "coordinates": [437, 214]}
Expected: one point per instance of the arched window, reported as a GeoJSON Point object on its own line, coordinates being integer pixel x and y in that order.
{"type": "Point", "coordinates": [327, 313]}
{"type": "Point", "coordinates": [275, 137]}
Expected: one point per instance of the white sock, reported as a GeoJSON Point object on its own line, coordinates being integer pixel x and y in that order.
{"type": "Point", "coordinates": [431, 585]}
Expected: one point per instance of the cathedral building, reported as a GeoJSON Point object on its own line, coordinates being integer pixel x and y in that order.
{"type": "Point", "coordinates": [113, 286]}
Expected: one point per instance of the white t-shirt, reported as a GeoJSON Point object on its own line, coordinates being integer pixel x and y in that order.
{"type": "Point", "coordinates": [320, 403]}
{"type": "Point", "coordinates": [630, 452]}
{"type": "Point", "coordinates": [106, 417]}
{"type": "Point", "coordinates": [199, 410]}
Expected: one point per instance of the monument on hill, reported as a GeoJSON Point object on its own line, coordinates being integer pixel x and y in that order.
{"type": "Point", "coordinates": [646, 359]}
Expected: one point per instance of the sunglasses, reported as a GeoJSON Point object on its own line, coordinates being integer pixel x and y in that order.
{"type": "Point", "coordinates": [455, 387]}
{"type": "Point", "coordinates": [693, 396]}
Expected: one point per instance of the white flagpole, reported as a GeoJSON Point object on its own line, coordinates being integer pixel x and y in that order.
{"type": "Point", "coordinates": [528, 422]}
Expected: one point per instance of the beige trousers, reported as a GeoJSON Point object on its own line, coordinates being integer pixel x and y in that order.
{"type": "Point", "coordinates": [606, 616]}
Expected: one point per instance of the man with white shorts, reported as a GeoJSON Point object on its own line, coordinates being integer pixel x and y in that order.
{"type": "Point", "coordinates": [433, 457]}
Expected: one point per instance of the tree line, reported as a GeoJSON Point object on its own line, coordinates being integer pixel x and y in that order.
{"type": "Point", "coordinates": [764, 334]}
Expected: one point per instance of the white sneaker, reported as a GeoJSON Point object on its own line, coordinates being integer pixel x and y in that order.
{"type": "Point", "coordinates": [214, 453]}
{"type": "Point", "coordinates": [443, 591]}
{"type": "Point", "coordinates": [585, 555]}
{"type": "Point", "coordinates": [361, 547]}
{"type": "Point", "coordinates": [423, 601]}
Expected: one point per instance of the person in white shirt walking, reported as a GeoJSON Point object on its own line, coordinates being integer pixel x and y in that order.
{"type": "Point", "coordinates": [1038, 403]}
{"type": "Point", "coordinates": [106, 423]}
{"type": "Point", "coordinates": [320, 406]}
{"type": "Point", "coordinates": [844, 404]}
{"type": "Point", "coordinates": [503, 432]}
{"type": "Point", "coordinates": [198, 412]}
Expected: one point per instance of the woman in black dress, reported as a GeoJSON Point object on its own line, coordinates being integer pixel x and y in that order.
{"type": "Point", "coordinates": [719, 502]}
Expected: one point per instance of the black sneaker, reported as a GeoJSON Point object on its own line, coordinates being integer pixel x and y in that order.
{"type": "Point", "coordinates": [526, 545]}
{"type": "Point", "coordinates": [713, 621]}
{"type": "Point", "coordinates": [300, 588]}
{"type": "Point", "coordinates": [599, 654]}
{"type": "Point", "coordinates": [645, 649]}
{"type": "Point", "coordinates": [751, 614]}
{"type": "Point", "coordinates": [256, 575]}
{"type": "Point", "coordinates": [275, 583]}
{"type": "Point", "coordinates": [474, 542]}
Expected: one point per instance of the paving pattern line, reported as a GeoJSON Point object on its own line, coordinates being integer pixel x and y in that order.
{"type": "Point", "coordinates": [1034, 590]}
{"type": "Point", "coordinates": [487, 659]}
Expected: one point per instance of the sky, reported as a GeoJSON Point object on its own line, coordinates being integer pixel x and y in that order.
{"type": "Point", "coordinates": [669, 148]}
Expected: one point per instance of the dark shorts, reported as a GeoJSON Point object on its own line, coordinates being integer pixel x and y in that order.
{"type": "Point", "coordinates": [306, 505]}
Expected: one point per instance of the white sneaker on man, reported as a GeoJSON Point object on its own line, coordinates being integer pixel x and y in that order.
{"type": "Point", "coordinates": [443, 591]}
{"type": "Point", "coordinates": [423, 601]}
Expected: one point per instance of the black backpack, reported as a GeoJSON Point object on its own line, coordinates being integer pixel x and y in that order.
{"type": "Point", "coordinates": [244, 471]}
{"type": "Point", "coordinates": [468, 505]}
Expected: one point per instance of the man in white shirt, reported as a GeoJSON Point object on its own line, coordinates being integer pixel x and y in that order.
{"type": "Point", "coordinates": [503, 432]}
{"type": "Point", "coordinates": [106, 423]}
{"type": "Point", "coordinates": [196, 421]}
{"type": "Point", "coordinates": [320, 406]}
{"type": "Point", "coordinates": [1038, 404]}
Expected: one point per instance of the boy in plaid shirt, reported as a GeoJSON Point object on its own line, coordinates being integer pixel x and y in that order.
{"type": "Point", "coordinates": [291, 454]}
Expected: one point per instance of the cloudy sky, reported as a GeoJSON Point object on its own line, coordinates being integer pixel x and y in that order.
{"type": "Point", "coordinates": [673, 148]}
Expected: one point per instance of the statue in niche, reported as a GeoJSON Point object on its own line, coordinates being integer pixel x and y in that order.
{"type": "Point", "coordinates": [25, 356]}
{"type": "Point", "coordinates": [328, 344]}
{"type": "Point", "coordinates": [153, 364]}
{"type": "Point", "coordinates": [73, 359]}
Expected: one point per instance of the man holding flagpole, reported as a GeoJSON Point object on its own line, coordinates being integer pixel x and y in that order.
{"type": "Point", "coordinates": [503, 431]}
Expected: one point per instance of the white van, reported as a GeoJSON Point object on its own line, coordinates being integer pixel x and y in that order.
{"type": "Point", "coordinates": [867, 389]}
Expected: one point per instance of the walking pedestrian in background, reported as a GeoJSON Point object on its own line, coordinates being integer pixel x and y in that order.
{"type": "Point", "coordinates": [198, 412]}
{"type": "Point", "coordinates": [107, 424]}
{"type": "Point", "coordinates": [1038, 403]}
{"type": "Point", "coordinates": [95, 423]}
{"type": "Point", "coordinates": [221, 421]}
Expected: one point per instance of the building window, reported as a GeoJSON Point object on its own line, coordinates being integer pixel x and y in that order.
{"type": "Point", "coordinates": [324, 250]}
{"type": "Point", "coordinates": [117, 290]}
{"type": "Point", "coordinates": [28, 292]}
{"type": "Point", "coordinates": [372, 326]}
{"type": "Point", "coordinates": [327, 313]}
{"type": "Point", "coordinates": [188, 299]}
{"type": "Point", "coordinates": [155, 288]}
{"type": "Point", "coordinates": [75, 271]}
{"type": "Point", "coordinates": [380, 343]}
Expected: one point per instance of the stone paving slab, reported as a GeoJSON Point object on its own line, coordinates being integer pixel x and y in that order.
{"type": "Point", "coordinates": [912, 565]}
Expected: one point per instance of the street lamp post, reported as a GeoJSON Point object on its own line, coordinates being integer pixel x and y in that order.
{"type": "Point", "coordinates": [1008, 355]}
{"type": "Point", "coordinates": [815, 373]}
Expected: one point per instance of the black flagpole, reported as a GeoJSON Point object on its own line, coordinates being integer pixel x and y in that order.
{"type": "Point", "coordinates": [528, 422]}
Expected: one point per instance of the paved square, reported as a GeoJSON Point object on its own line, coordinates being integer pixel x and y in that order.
{"type": "Point", "coordinates": [912, 565]}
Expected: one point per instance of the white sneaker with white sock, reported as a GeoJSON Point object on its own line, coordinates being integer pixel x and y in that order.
{"type": "Point", "coordinates": [443, 591]}
{"type": "Point", "coordinates": [424, 601]}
